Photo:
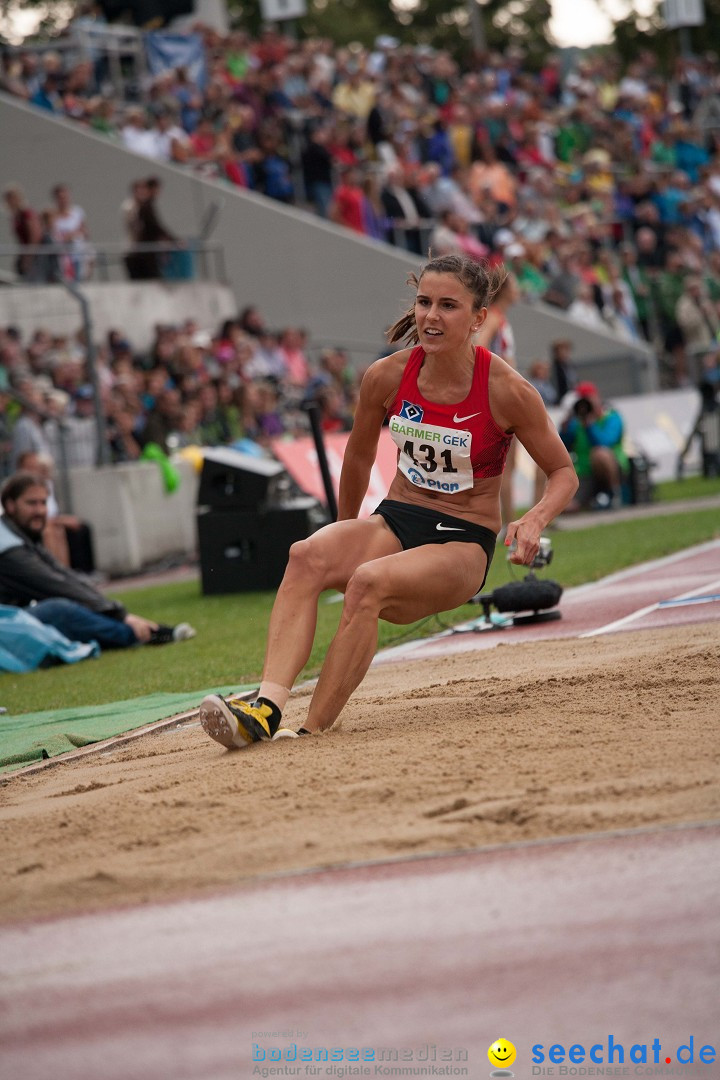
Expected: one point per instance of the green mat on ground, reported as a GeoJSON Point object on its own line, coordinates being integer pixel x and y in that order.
{"type": "Point", "coordinates": [35, 736]}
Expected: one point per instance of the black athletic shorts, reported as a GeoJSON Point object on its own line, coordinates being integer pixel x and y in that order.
{"type": "Point", "coordinates": [415, 526]}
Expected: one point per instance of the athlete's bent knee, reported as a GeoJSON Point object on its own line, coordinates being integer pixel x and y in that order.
{"type": "Point", "coordinates": [365, 589]}
{"type": "Point", "coordinates": [306, 561]}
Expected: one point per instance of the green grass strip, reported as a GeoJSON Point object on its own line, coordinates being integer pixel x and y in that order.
{"type": "Point", "coordinates": [231, 629]}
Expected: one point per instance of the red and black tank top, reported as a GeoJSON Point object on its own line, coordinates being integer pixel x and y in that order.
{"type": "Point", "coordinates": [446, 447]}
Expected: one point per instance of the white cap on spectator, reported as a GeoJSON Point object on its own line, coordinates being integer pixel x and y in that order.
{"type": "Point", "coordinates": [59, 398]}
{"type": "Point", "coordinates": [503, 237]}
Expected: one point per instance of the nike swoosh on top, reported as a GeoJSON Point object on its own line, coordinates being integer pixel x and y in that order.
{"type": "Point", "coordinates": [447, 528]}
{"type": "Point", "coordinates": [461, 419]}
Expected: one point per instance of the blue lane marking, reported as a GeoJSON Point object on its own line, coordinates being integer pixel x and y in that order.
{"type": "Point", "coordinates": [690, 600]}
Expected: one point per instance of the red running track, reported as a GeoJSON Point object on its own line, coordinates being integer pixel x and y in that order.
{"type": "Point", "coordinates": [567, 942]}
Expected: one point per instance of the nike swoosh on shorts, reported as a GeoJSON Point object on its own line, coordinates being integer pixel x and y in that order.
{"type": "Point", "coordinates": [448, 528]}
{"type": "Point", "coordinates": [461, 419]}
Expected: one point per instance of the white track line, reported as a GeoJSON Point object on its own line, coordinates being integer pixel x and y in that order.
{"type": "Point", "coordinates": [610, 627]}
{"type": "Point", "coordinates": [697, 600]}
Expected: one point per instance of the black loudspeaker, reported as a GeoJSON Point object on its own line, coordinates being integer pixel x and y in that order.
{"type": "Point", "coordinates": [233, 481]}
{"type": "Point", "coordinates": [639, 480]}
{"type": "Point", "coordinates": [246, 551]}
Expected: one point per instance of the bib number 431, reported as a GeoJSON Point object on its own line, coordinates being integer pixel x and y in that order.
{"type": "Point", "coordinates": [429, 455]}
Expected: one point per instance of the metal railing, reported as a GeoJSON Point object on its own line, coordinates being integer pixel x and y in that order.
{"type": "Point", "coordinates": [49, 264]}
{"type": "Point", "coordinates": [117, 54]}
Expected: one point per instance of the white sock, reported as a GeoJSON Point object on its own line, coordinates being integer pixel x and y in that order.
{"type": "Point", "coordinates": [274, 692]}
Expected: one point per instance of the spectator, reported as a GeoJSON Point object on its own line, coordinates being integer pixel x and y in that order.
{"type": "Point", "coordinates": [405, 209]}
{"type": "Point", "coordinates": [348, 201]}
{"type": "Point", "coordinates": [619, 316]}
{"type": "Point", "coordinates": [354, 95]}
{"type": "Point", "coordinates": [171, 142]}
{"type": "Point", "coordinates": [697, 317]}
{"type": "Point", "coordinates": [335, 371]}
{"type": "Point", "coordinates": [65, 536]}
{"type": "Point", "coordinates": [136, 134]}
{"type": "Point", "coordinates": [231, 164]}
{"type": "Point", "coordinates": [263, 418]}
{"type": "Point", "coordinates": [60, 596]}
{"type": "Point", "coordinates": [585, 311]}
{"type": "Point", "coordinates": [70, 228]}
{"type": "Point", "coordinates": [529, 265]}
{"type": "Point", "coordinates": [564, 374]}
{"type": "Point", "coordinates": [251, 321]}
{"type": "Point", "coordinates": [150, 230]}
{"type": "Point", "coordinates": [203, 141]}
{"type": "Point", "coordinates": [638, 281]}
{"type": "Point", "coordinates": [130, 212]}
{"type": "Point", "coordinates": [79, 430]}
{"type": "Point", "coordinates": [51, 267]}
{"type": "Point", "coordinates": [48, 95]}
{"type": "Point", "coordinates": [28, 232]}
{"type": "Point", "coordinates": [272, 169]}
{"type": "Point", "coordinates": [164, 419]}
{"type": "Point", "coordinates": [449, 192]}
{"type": "Point", "coordinates": [669, 286]}
{"type": "Point", "coordinates": [28, 434]}
{"type": "Point", "coordinates": [122, 434]}
{"type": "Point", "coordinates": [292, 345]}
{"type": "Point", "coordinates": [317, 165]}
{"type": "Point", "coordinates": [452, 236]}
{"type": "Point", "coordinates": [593, 434]}
{"type": "Point", "coordinates": [268, 360]}
{"type": "Point", "coordinates": [563, 287]}
{"type": "Point", "coordinates": [539, 376]}
{"type": "Point", "coordinates": [188, 98]}
{"type": "Point", "coordinates": [494, 177]}
{"type": "Point", "coordinates": [375, 224]}
{"type": "Point", "coordinates": [334, 415]}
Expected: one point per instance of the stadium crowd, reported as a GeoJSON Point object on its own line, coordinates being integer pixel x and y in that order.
{"type": "Point", "coordinates": [243, 385]}
{"type": "Point", "coordinates": [599, 187]}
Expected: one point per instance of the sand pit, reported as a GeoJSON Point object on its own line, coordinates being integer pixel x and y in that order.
{"type": "Point", "coordinates": [524, 741]}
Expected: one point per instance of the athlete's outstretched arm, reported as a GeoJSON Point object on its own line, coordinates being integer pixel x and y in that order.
{"type": "Point", "coordinates": [518, 407]}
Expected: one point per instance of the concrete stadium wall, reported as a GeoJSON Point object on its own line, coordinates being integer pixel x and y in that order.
{"type": "Point", "coordinates": [134, 308]}
{"type": "Point", "coordinates": [135, 522]}
{"type": "Point", "coordinates": [297, 269]}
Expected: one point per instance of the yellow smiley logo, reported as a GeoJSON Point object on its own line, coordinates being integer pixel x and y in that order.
{"type": "Point", "coordinates": [502, 1053]}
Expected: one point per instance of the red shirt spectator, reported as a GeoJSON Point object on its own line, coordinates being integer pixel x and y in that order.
{"type": "Point", "coordinates": [347, 206]}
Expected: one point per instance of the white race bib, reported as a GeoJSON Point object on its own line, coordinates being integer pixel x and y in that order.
{"type": "Point", "coordinates": [431, 457]}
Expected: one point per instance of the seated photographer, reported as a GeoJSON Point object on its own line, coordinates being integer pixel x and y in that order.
{"type": "Point", "coordinates": [62, 597]}
{"type": "Point", "coordinates": [593, 434]}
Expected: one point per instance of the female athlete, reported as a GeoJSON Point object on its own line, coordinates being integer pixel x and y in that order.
{"type": "Point", "coordinates": [453, 411]}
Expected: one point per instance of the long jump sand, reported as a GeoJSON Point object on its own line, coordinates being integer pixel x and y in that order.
{"type": "Point", "coordinates": [523, 741]}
